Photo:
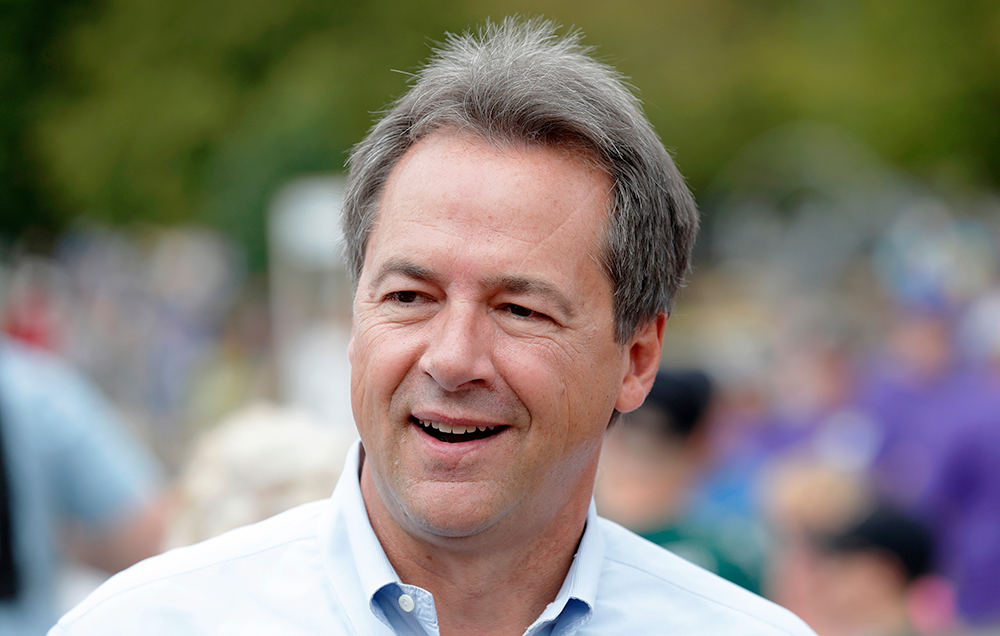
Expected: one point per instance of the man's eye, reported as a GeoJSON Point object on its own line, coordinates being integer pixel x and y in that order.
{"type": "Point", "coordinates": [523, 312]}
{"type": "Point", "coordinates": [403, 296]}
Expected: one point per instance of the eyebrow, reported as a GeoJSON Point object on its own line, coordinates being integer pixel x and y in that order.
{"type": "Point", "coordinates": [403, 267]}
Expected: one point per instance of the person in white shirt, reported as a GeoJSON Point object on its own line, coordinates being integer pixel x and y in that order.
{"type": "Point", "coordinates": [516, 232]}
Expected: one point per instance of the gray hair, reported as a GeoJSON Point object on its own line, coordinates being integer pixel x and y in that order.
{"type": "Point", "coordinates": [517, 82]}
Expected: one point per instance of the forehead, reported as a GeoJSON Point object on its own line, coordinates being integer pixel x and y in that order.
{"type": "Point", "coordinates": [538, 194]}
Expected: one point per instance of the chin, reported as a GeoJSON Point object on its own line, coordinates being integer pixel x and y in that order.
{"type": "Point", "coordinates": [453, 511]}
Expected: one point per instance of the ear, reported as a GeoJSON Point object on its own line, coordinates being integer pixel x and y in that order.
{"type": "Point", "coordinates": [643, 362]}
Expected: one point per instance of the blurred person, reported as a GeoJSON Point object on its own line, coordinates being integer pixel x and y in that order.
{"type": "Point", "coordinates": [516, 232]}
{"type": "Point", "coordinates": [869, 577]}
{"type": "Point", "coordinates": [807, 405]}
{"type": "Point", "coordinates": [651, 464]}
{"type": "Point", "coordinates": [148, 316]}
{"type": "Point", "coordinates": [36, 298]}
{"type": "Point", "coordinates": [258, 461]}
{"type": "Point", "coordinates": [72, 482]}
{"type": "Point", "coordinates": [801, 496]}
{"type": "Point", "coordinates": [112, 317]}
{"type": "Point", "coordinates": [940, 453]}
{"type": "Point", "coordinates": [929, 264]}
{"type": "Point", "coordinates": [961, 505]}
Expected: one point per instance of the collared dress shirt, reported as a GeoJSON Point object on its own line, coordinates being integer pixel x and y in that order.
{"type": "Point", "coordinates": [319, 569]}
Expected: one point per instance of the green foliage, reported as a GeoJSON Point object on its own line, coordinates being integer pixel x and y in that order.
{"type": "Point", "coordinates": [27, 64]}
{"type": "Point", "coordinates": [194, 111]}
{"type": "Point", "coordinates": [918, 80]}
{"type": "Point", "coordinates": [198, 110]}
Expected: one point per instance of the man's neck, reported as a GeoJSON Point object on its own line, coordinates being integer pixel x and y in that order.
{"type": "Point", "coordinates": [482, 584]}
{"type": "Point", "coordinates": [493, 594]}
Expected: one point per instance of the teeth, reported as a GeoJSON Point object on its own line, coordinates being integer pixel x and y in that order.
{"type": "Point", "coordinates": [448, 428]}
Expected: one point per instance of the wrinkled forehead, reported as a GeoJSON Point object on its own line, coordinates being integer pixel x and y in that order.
{"type": "Point", "coordinates": [562, 146]}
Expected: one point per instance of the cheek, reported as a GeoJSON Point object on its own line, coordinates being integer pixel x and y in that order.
{"type": "Point", "coordinates": [530, 369]}
{"type": "Point", "coordinates": [380, 346]}
{"type": "Point", "coordinates": [380, 358]}
{"type": "Point", "coordinates": [573, 391]}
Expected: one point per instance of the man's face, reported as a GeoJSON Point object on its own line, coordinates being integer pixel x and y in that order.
{"type": "Point", "coordinates": [482, 309]}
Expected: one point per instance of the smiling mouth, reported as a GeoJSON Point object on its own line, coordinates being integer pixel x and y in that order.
{"type": "Point", "coordinates": [456, 434]}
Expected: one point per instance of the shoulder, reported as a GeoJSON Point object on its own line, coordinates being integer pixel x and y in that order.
{"type": "Point", "coordinates": [69, 438]}
{"type": "Point", "coordinates": [40, 386]}
{"type": "Point", "coordinates": [644, 584]}
{"type": "Point", "coordinates": [185, 587]}
{"type": "Point", "coordinates": [33, 370]}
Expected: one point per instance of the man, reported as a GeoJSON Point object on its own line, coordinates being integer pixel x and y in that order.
{"type": "Point", "coordinates": [516, 232]}
{"type": "Point", "coordinates": [871, 574]}
{"type": "Point", "coordinates": [71, 480]}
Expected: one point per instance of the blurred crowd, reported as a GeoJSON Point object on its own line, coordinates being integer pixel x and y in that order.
{"type": "Point", "coordinates": [826, 429]}
{"type": "Point", "coordinates": [165, 321]}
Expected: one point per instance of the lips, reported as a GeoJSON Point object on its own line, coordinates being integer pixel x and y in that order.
{"type": "Point", "coordinates": [456, 433]}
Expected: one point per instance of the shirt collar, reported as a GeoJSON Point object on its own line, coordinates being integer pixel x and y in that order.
{"type": "Point", "coordinates": [355, 561]}
{"type": "Point", "coordinates": [359, 568]}
{"type": "Point", "coordinates": [575, 602]}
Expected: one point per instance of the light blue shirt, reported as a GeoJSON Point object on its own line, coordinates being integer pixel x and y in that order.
{"type": "Point", "coordinates": [68, 458]}
{"type": "Point", "coordinates": [319, 569]}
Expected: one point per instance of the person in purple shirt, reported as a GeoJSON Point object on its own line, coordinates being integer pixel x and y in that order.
{"type": "Point", "coordinates": [940, 452]}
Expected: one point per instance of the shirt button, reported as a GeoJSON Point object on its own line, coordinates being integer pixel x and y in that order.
{"type": "Point", "coordinates": [406, 602]}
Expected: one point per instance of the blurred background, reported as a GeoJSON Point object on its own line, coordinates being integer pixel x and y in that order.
{"type": "Point", "coordinates": [170, 177]}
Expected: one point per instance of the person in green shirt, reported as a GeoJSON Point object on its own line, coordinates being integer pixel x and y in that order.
{"type": "Point", "coordinates": [650, 467]}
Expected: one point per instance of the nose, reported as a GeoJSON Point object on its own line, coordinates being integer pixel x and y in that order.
{"type": "Point", "coordinates": [459, 353]}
